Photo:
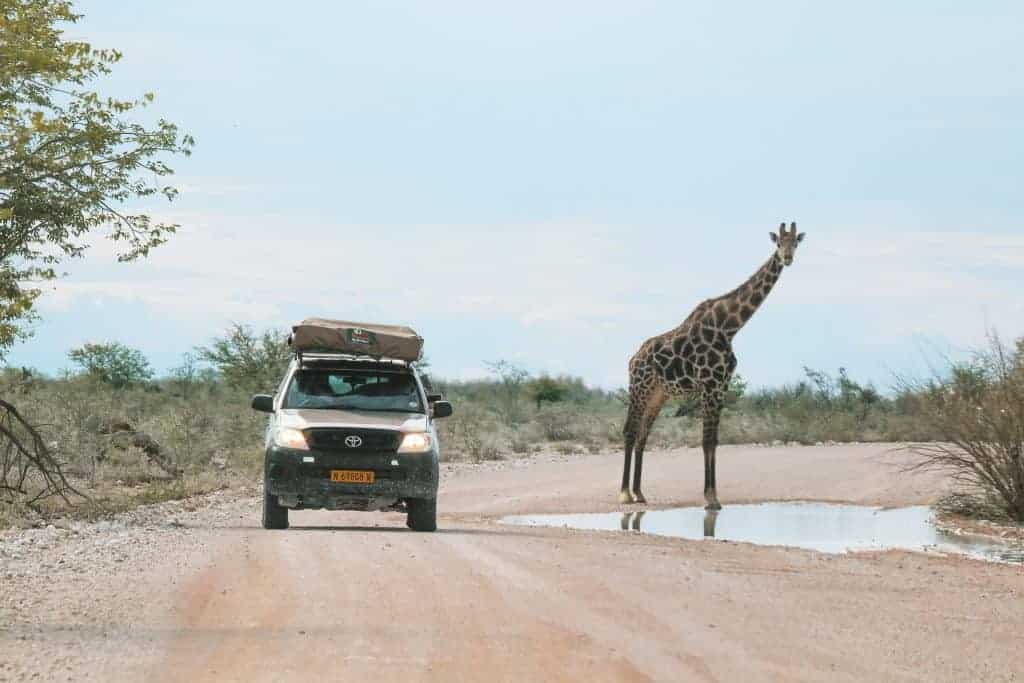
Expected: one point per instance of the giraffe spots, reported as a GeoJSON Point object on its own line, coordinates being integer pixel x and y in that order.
{"type": "Point", "coordinates": [677, 344]}
{"type": "Point", "coordinates": [675, 369]}
{"type": "Point", "coordinates": [682, 386]}
{"type": "Point", "coordinates": [721, 313]}
{"type": "Point", "coordinates": [757, 298]}
{"type": "Point", "coordinates": [662, 357]}
{"type": "Point", "coordinates": [720, 344]}
{"type": "Point", "coordinates": [705, 373]}
{"type": "Point", "coordinates": [707, 334]}
{"type": "Point", "coordinates": [735, 322]}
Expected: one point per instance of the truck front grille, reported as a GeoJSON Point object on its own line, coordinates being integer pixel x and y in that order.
{"type": "Point", "coordinates": [344, 440]}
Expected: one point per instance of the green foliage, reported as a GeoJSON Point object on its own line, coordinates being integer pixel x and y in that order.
{"type": "Point", "coordinates": [112, 363]}
{"type": "Point", "coordinates": [69, 158]}
{"type": "Point", "coordinates": [247, 360]}
{"type": "Point", "coordinates": [545, 389]}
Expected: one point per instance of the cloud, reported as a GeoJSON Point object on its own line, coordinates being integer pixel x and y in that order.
{"type": "Point", "coordinates": [547, 285]}
{"type": "Point", "coordinates": [953, 283]}
{"type": "Point", "coordinates": [235, 267]}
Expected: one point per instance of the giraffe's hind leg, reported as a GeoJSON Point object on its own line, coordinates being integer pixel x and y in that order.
{"type": "Point", "coordinates": [629, 432]}
{"type": "Point", "coordinates": [651, 412]}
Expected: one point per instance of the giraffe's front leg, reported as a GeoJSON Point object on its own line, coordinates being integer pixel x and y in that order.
{"type": "Point", "coordinates": [710, 491]}
{"type": "Point", "coordinates": [638, 497]}
{"type": "Point", "coordinates": [712, 410]}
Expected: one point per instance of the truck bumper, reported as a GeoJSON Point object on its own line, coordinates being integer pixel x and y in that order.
{"type": "Point", "coordinates": [302, 479]}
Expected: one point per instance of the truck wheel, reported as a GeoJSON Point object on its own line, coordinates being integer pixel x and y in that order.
{"type": "Point", "coordinates": [274, 516]}
{"type": "Point", "coordinates": [422, 514]}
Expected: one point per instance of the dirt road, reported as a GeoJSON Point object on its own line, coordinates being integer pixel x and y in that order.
{"type": "Point", "coordinates": [200, 594]}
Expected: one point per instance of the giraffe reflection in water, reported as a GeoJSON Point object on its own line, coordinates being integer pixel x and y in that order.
{"type": "Point", "coordinates": [825, 527]}
{"type": "Point", "coordinates": [631, 521]}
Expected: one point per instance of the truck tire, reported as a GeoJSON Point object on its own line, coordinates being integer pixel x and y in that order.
{"type": "Point", "coordinates": [275, 516]}
{"type": "Point", "coordinates": [422, 514]}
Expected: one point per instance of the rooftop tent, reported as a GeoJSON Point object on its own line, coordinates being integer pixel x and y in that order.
{"type": "Point", "coordinates": [314, 335]}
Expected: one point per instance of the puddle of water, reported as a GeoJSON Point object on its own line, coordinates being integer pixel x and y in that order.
{"type": "Point", "coordinates": [825, 527]}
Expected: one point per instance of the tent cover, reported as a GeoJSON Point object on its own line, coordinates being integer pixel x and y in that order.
{"type": "Point", "coordinates": [340, 336]}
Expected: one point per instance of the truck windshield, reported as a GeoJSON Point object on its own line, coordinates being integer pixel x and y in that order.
{"type": "Point", "coordinates": [353, 390]}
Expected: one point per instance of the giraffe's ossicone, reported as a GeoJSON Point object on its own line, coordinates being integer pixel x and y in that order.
{"type": "Point", "coordinates": [696, 358]}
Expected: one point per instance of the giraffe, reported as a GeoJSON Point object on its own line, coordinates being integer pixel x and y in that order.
{"type": "Point", "coordinates": [696, 358]}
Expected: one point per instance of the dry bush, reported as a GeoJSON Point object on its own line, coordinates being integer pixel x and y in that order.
{"type": "Point", "coordinates": [978, 411]}
{"type": "Point", "coordinates": [527, 438]}
{"type": "Point", "coordinates": [29, 471]}
{"type": "Point", "coordinates": [474, 434]}
{"type": "Point", "coordinates": [570, 422]}
{"type": "Point", "coordinates": [140, 443]}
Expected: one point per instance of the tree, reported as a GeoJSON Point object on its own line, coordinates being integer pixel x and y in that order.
{"type": "Point", "coordinates": [69, 158]}
{"type": "Point", "coordinates": [248, 360]}
{"type": "Point", "coordinates": [546, 389]}
{"type": "Point", "coordinates": [112, 363]}
{"type": "Point", "coordinates": [510, 374]}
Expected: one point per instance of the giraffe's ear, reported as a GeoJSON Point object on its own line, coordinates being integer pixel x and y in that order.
{"type": "Point", "coordinates": [775, 238]}
{"type": "Point", "coordinates": [800, 237]}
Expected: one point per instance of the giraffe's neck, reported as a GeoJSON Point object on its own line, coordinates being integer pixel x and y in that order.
{"type": "Point", "coordinates": [738, 306]}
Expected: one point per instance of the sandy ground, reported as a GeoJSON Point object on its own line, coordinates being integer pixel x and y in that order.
{"type": "Point", "coordinates": [196, 591]}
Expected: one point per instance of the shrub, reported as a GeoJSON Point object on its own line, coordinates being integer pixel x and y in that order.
{"type": "Point", "coordinates": [112, 363]}
{"type": "Point", "coordinates": [545, 389]}
{"type": "Point", "coordinates": [978, 411]}
{"type": "Point", "coordinates": [247, 360]}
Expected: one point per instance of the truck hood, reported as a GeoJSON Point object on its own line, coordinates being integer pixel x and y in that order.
{"type": "Point", "coordinates": [352, 419]}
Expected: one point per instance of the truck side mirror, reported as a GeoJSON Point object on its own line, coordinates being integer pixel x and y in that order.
{"type": "Point", "coordinates": [433, 398]}
{"type": "Point", "coordinates": [442, 409]}
{"type": "Point", "coordinates": [263, 403]}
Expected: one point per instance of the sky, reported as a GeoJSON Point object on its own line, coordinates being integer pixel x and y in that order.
{"type": "Point", "coordinates": [553, 183]}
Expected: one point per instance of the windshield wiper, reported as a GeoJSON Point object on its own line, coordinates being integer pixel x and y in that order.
{"type": "Point", "coordinates": [369, 410]}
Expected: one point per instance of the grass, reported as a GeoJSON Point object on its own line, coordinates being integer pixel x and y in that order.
{"type": "Point", "coordinates": [207, 432]}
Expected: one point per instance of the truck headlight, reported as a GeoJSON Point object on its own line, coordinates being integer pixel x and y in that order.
{"type": "Point", "coordinates": [287, 437]}
{"type": "Point", "coordinates": [418, 442]}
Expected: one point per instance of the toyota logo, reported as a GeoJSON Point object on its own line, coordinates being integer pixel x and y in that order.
{"type": "Point", "coordinates": [353, 441]}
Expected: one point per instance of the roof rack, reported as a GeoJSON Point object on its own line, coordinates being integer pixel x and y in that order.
{"type": "Point", "coordinates": [325, 357]}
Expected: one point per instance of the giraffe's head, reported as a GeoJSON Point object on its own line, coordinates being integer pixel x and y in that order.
{"type": "Point", "coordinates": [786, 242]}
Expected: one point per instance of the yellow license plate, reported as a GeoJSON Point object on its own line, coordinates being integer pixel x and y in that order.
{"type": "Point", "coordinates": [351, 477]}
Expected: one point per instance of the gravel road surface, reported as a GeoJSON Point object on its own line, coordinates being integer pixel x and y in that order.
{"type": "Point", "coordinates": [196, 591]}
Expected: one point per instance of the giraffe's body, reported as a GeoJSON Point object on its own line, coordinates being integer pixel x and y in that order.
{"type": "Point", "coordinates": [696, 358]}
